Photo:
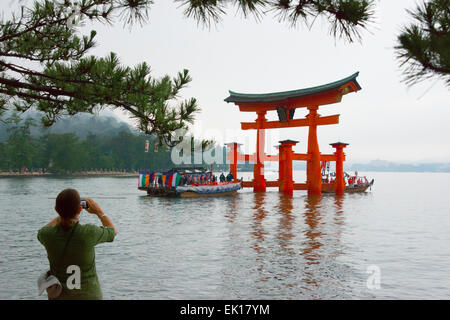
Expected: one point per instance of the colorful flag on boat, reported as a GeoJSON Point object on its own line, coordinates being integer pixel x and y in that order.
{"type": "Point", "coordinates": [141, 180]}
{"type": "Point", "coordinates": [152, 177]}
{"type": "Point", "coordinates": [173, 181]}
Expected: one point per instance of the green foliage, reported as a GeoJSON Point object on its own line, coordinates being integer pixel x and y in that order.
{"type": "Point", "coordinates": [63, 80]}
{"type": "Point", "coordinates": [67, 153]}
{"type": "Point", "coordinates": [423, 47]}
{"type": "Point", "coordinates": [64, 153]}
{"type": "Point", "coordinates": [346, 17]}
{"type": "Point", "coordinates": [19, 149]}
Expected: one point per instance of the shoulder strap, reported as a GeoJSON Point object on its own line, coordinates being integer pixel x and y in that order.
{"type": "Point", "coordinates": [68, 240]}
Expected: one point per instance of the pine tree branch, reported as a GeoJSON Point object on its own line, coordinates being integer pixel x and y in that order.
{"type": "Point", "coordinates": [423, 47]}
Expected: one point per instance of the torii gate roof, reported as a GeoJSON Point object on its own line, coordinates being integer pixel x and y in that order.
{"type": "Point", "coordinates": [337, 88]}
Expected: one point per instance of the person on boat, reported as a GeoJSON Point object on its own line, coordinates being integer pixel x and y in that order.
{"type": "Point", "coordinates": [70, 244]}
{"type": "Point", "coordinates": [160, 182]}
{"type": "Point", "coordinates": [222, 177]}
{"type": "Point", "coordinates": [350, 181]}
{"type": "Point", "coordinates": [181, 183]}
{"type": "Point", "coordinates": [355, 178]}
{"type": "Point", "coordinates": [230, 177]}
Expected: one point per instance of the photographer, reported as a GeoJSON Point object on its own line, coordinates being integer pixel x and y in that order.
{"type": "Point", "coordinates": [70, 247]}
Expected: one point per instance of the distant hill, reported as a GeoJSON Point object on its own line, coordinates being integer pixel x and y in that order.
{"type": "Point", "coordinates": [387, 166]}
{"type": "Point", "coordinates": [81, 124]}
{"type": "Point", "coordinates": [375, 165]}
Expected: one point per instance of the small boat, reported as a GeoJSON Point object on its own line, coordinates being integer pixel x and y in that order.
{"type": "Point", "coordinates": [356, 183]}
{"type": "Point", "coordinates": [359, 187]}
{"type": "Point", "coordinates": [353, 184]}
{"type": "Point", "coordinates": [186, 183]}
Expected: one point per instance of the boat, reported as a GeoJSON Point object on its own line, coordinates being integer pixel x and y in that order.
{"type": "Point", "coordinates": [353, 184]}
{"type": "Point", "coordinates": [218, 189]}
{"type": "Point", "coordinates": [359, 187]}
{"type": "Point", "coordinates": [186, 183]}
{"type": "Point", "coordinates": [356, 183]}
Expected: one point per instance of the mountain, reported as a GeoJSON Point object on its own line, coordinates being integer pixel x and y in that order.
{"type": "Point", "coordinates": [105, 124]}
{"type": "Point", "coordinates": [387, 166]}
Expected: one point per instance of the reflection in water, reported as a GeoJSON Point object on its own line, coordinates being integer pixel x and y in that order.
{"type": "Point", "coordinates": [232, 208]}
{"type": "Point", "coordinates": [297, 264]}
{"type": "Point", "coordinates": [339, 217]}
{"type": "Point", "coordinates": [339, 223]}
{"type": "Point", "coordinates": [19, 186]}
{"type": "Point", "coordinates": [285, 233]}
{"type": "Point", "coordinates": [313, 234]}
{"type": "Point", "coordinates": [259, 214]}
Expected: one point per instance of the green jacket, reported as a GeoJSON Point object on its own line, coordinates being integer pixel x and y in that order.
{"type": "Point", "coordinates": [79, 252]}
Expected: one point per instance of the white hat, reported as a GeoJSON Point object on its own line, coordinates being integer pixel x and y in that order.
{"type": "Point", "coordinates": [51, 283]}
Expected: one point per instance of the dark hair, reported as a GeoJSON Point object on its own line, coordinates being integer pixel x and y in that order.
{"type": "Point", "coordinates": [67, 205]}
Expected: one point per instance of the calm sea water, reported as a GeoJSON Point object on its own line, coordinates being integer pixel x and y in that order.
{"type": "Point", "coordinates": [248, 246]}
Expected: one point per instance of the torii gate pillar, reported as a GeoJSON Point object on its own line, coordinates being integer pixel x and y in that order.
{"type": "Point", "coordinates": [234, 157]}
{"type": "Point", "coordinates": [313, 172]}
{"type": "Point", "coordinates": [340, 182]}
{"type": "Point", "coordinates": [259, 182]}
{"type": "Point", "coordinates": [281, 170]}
{"type": "Point", "coordinates": [286, 180]}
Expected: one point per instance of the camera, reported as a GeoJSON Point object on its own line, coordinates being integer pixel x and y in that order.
{"type": "Point", "coordinates": [84, 204]}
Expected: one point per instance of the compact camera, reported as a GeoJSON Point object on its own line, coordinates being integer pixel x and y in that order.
{"type": "Point", "coordinates": [84, 204]}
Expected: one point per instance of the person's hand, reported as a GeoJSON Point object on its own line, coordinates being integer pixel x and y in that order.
{"type": "Point", "coordinates": [93, 207]}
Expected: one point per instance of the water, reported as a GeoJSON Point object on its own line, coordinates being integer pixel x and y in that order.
{"type": "Point", "coordinates": [249, 246]}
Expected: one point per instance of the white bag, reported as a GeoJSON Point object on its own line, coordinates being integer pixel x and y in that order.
{"type": "Point", "coordinates": [51, 284]}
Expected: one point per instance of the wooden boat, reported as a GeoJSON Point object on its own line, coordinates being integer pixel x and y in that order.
{"type": "Point", "coordinates": [191, 191]}
{"type": "Point", "coordinates": [186, 183]}
{"type": "Point", "coordinates": [359, 187]}
{"type": "Point", "coordinates": [354, 184]}
{"type": "Point", "coordinates": [208, 190]}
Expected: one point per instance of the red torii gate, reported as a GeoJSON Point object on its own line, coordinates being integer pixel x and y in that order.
{"type": "Point", "coordinates": [285, 104]}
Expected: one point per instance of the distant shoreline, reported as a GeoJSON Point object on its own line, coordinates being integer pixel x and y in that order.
{"type": "Point", "coordinates": [136, 174]}
{"type": "Point", "coordinates": [77, 174]}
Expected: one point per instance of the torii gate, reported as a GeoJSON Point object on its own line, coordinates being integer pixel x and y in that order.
{"type": "Point", "coordinates": [285, 104]}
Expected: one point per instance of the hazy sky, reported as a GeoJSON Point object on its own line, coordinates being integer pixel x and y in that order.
{"type": "Point", "coordinates": [385, 120]}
